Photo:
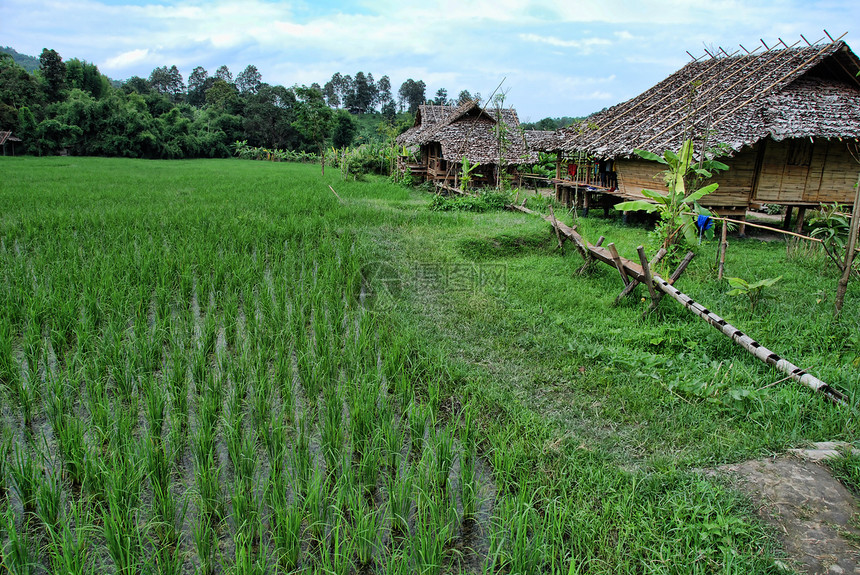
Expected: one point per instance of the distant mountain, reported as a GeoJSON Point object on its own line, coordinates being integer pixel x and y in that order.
{"type": "Point", "coordinates": [29, 63]}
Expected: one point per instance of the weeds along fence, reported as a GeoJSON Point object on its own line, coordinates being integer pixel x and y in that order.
{"type": "Point", "coordinates": [246, 152]}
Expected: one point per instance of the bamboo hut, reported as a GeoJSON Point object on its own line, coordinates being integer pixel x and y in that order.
{"type": "Point", "coordinates": [447, 137]}
{"type": "Point", "coordinates": [785, 120]}
{"type": "Point", "coordinates": [8, 140]}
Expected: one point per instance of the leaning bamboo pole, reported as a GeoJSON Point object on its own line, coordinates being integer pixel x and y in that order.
{"type": "Point", "coordinates": [640, 273]}
{"type": "Point", "coordinates": [749, 344]}
{"type": "Point", "coordinates": [842, 286]}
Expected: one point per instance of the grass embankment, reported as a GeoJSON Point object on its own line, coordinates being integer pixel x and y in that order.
{"type": "Point", "coordinates": [197, 377]}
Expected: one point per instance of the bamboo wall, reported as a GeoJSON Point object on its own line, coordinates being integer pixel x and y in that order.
{"type": "Point", "coordinates": [800, 172]}
{"type": "Point", "coordinates": [792, 172]}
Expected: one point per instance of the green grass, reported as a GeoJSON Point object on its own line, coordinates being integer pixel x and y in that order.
{"type": "Point", "coordinates": [196, 375]}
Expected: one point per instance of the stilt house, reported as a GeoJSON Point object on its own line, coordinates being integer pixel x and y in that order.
{"type": "Point", "coordinates": [787, 119]}
{"type": "Point", "coordinates": [7, 140]}
{"type": "Point", "coordinates": [446, 137]}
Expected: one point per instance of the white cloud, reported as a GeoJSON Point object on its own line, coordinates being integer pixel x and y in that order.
{"type": "Point", "coordinates": [584, 46]}
{"type": "Point", "coordinates": [126, 59]}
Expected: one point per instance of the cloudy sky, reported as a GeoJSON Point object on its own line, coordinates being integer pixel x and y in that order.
{"type": "Point", "coordinates": [556, 58]}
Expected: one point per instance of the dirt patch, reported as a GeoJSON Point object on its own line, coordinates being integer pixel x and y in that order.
{"type": "Point", "coordinates": [817, 518]}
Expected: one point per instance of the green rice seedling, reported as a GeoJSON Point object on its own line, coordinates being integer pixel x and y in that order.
{"type": "Point", "coordinates": [5, 450]}
{"type": "Point", "coordinates": [427, 544]}
{"type": "Point", "coordinates": [302, 459]}
{"type": "Point", "coordinates": [28, 398]}
{"type": "Point", "coordinates": [337, 559]}
{"type": "Point", "coordinates": [275, 438]}
{"type": "Point", "coordinates": [70, 548]}
{"type": "Point", "coordinates": [249, 558]}
{"type": "Point", "coordinates": [25, 472]}
{"type": "Point", "coordinates": [123, 538]}
{"type": "Point", "coordinates": [392, 443]}
{"type": "Point", "coordinates": [245, 512]}
{"type": "Point", "coordinates": [526, 537]}
{"type": "Point", "coordinates": [199, 361]}
{"type": "Point", "coordinates": [443, 450]}
{"type": "Point", "coordinates": [155, 406]}
{"type": "Point", "coordinates": [317, 506]}
{"type": "Point", "coordinates": [469, 487]}
{"type": "Point", "coordinates": [369, 465]}
{"type": "Point", "coordinates": [95, 478]}
{"type": "Point", "coordinates": [363, 416]}
{"type": "Point", "coordinates": [206, 544]}
{"type": "Point", "coordinates": [332, 429]}
{"type": "Point", "coordinates": [168, 560]}
{"type": "Point", "coordinates": [262, 410]}
{"type": "Point", "coordinates": [286, 526]}
{"type": "Point", "coordinates": [33, 347]}
{"type": "Point", "coordinates": [207, 475]}
{"type": "Point", "coordinates": [49, 502]}
{"type": "Point", "coordinates": [15, 554]}
{"type": "Point", "coordinates": [168, 513]}
{"type": "Point", "coordinates": [246, 463]}
{"type": "Point", "coordinates": [365, 529]}
{"type": "Point", "coordinates": [231, 319]}
{"type": "Point", "coordinates": [417, 426]}
{"type": "Point", "coordinates": [9, 370]}
{"type": "Point", "coordinates": [400, 490]}
{"type": "Point", "coordinates": [99, 408]}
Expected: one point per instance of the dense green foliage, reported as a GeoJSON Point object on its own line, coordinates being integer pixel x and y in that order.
{"type": "Point", "coordinates": [68, 106]}
{"type": "Point", "coordinates": [218, 365]}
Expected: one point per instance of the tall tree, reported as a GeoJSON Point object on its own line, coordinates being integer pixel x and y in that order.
{"type": "Point", "coordinates": [85, 76]}
{"type": "Point", "coordinates": [464, 97]}
{"type": "Point", "coordinates": [314, 119]}
{"type": "Point", "coordinates": [441, 98]}
{"type": "Point", "coordinates": [411, 94]}
{"type": "Point", "coordinates": [344, 129]}
{"type": "Point", "coordinates": [167, 81]}
{"type": "Point", "coordinates": [53, 72]}
{"type": "Point", "coordinates": [224, 73]}
{"type": "Point", "coordinates": [249, 80]}
{"type": "Point", "coordinates": [383, 92]}
{"type": "Point", "coordinates": [332, 89]}
{"type": "Point", "coordinates": [269, 115]}
{"type": "Point", "coordinates": [199, 82]}
{"type": "Point", "coordinates": [360, 100]}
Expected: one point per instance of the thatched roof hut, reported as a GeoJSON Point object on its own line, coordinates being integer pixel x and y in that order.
{"type": "Point", "coordinates": [784, 117]}
{"type": "Point", "coordinates": [7, 139]}
{"type": "Point", "coordinates": [446, 135]}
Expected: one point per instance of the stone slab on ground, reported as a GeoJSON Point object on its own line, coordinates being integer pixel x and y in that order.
{"type": "Point", "coordinates": [818, 519]}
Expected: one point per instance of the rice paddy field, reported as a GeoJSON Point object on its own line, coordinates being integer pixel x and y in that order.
{"type": "Point", "coordinates": [220, 366]}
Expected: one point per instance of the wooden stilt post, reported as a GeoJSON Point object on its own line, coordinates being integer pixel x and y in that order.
{"type": "Point", "coordinates": [557, 232]}
{"type": "Point", "coordinates": [633, 282]}
{"type": "Point", "coordinates": [646, 271]}
{"type": "Point", "coordinates": [786, 222]}
{"type": "Point", "coordinates": [681, 267]}
{"type": "Point", "coordinates": [742, 227]}
{"type": "Point", "coordinates": [842, 286]}
{"type": "Point", "coordinates": [724, 243]}
{"type": "Point", "coordinates": [600, 241]}
{"type": "Point", "coordinates": [618, 265]}
{"type": "Point", "coordinates": [801, 214]}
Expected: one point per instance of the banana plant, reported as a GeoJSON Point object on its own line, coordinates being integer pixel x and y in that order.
{"type": "Point", "coordinates": [675, 205]}
{"type": "Point", "coordinates": [466, 173]}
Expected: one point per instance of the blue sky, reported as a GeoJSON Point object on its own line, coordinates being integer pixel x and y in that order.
{"type": "Point", "coordinates": [556, 58]}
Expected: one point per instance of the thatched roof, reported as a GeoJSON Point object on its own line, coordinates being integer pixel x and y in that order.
{"type": "Point", "coordinates": [809, 92]}
{"type": "Point", "coordinates": [468, 130]}
{"type": "Point", "coordinates": [8, 137]}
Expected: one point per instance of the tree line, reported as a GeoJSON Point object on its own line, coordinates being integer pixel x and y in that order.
{"type": "Point", "coordinates": [70, 106]}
